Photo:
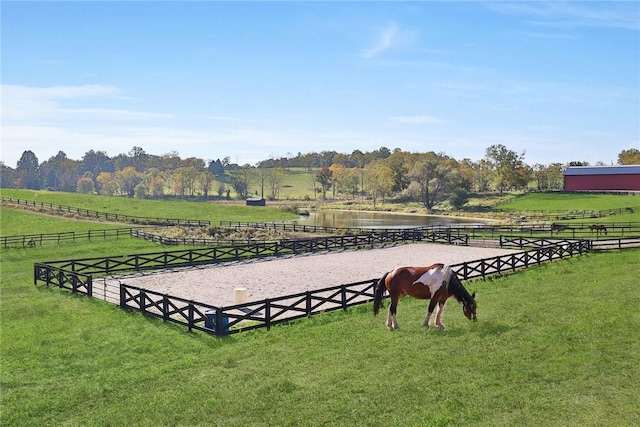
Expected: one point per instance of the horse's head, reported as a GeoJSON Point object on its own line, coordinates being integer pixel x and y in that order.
{"type": "Point", "coordinates": [469, 307]}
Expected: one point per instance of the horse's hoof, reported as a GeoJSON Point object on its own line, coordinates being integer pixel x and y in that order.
{"type": "Point", "coordinates": [441, 327]}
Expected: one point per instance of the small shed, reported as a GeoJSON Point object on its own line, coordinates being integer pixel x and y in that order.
{"type": "Point", "coordinates": [602, 178]}
{"type": "Point", "coordinates": [255, 201]}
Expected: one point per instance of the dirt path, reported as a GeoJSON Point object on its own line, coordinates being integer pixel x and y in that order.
{"type": "Point", "coordinates": [268, 278]}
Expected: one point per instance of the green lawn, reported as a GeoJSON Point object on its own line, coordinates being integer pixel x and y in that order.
{"type": "Point", "coordinates": [176, 209]}
{"type": "Point", "coordinates": [554, 345]}
{"type": "Point", "coordinates": [570, 201]}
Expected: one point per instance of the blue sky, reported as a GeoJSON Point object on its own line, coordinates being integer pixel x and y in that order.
{"type": "Point", "coordinates": [252, 80]}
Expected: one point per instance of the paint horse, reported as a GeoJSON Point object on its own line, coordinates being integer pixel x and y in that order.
{"type": "Point", "coordinates": [436, 282]}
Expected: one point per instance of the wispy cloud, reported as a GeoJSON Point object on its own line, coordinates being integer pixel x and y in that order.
{"type": "Point", "coordinates": [566, 14]}
{"type": "Point", "coordinates": [418, 120]}
{"type": "Point", "coordinates": [27, 103]}
{"type": "Point", "coordinates": [384, 40]}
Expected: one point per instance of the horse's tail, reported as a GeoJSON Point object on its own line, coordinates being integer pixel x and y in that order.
{"type": "Point", "coordinates": [378, 293]}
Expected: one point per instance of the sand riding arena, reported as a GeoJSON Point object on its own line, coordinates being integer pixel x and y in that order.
{"type": "Point", "coordinates": [265, 278]}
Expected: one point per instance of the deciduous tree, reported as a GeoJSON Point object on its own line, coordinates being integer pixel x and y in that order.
{"type": "Point", "coordinates": [324, 177]}
{"type": "Point", "coordinates": [28, 170]}
{"type": "Point", "coordinates": [629, 157]}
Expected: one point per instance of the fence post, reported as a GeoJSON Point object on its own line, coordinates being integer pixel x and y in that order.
{"type": "Point", "coordinates": [267, 314]}
{"type": "Point", "coordinates": [222, 327]}
{"type": "Point", "coordinates": [123, 296]}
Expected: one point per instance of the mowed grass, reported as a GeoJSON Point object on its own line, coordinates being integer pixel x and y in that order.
{"type": "Point", "coordinates": [175, 209]}
{"type": "Point", "coordinates": [571, 201]}
{"type": "Point", "coordinates": [554, 345]}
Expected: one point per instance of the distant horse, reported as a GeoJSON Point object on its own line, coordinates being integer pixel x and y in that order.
{"type": "Point", "coordinates": [436, 282]}
{"type": "Point", "coordinates": [598, 228]}
{"type": "Point", "coordinates": [558, 227]}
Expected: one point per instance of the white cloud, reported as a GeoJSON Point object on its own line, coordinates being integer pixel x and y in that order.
{"type": "Point", "coordinates": [34, 104]}
{"type": "Point", "coordinates": [385, 39]}
{"type": "Point", "coordinates": [610, 14]}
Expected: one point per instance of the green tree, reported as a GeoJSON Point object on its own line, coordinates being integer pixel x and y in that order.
{"type": "Point", "coordinates": [555, 176]}
{"type": "Point", "coordinates": [141, 191]}
{"type": "Point", "coordinates": [85, 184]}
{"type": "Point", "coordinates": [459, 196]}
{"type": "Point", "coordinates": [205, 179]}
{"type": "Point", "coordinates": [379, 180]}
{"type": "Point", "coordinates": [351, 181]}
{"type": "Point", "coordinates": [324, 178]}
{"type": "Point", "coordinates": [275, 176]}
{"type": "Point", "coordinates": [155, 182]}
{"type": "Point", "coordinates": [28, 171]}
{"type": "Point", "coordinates": [433, 175]}
{"type": "Point", "coordinates": [138, 158]}
{"type": "Point", "coordinates": [629, 157]}
{"type": "Point", "coordinates": [8, 176]}
{"type": "Point", "coordinates": [239, 180]}
{"type": "Point", "coordinates": [107, 185]}
{"type": "Point", "coordinates": [509, 170]}
{"type": "Point", "coordinates": [184, 179]}
{"type": "Point", "coordinates": [399, 162]}
{"type": "Point", "coordinates": [61, 173]}
{"type": "Point", "coordinates": [127, 179]}
{"type": "Point", "coordinates": [216, 168]}
{"type": "Point", "coordinates": [338, 173]}
{"type": "Point", "coordinates": [96, 162]}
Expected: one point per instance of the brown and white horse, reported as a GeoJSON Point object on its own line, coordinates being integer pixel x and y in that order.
{"type": "Point", "coordinates": [436, 282]}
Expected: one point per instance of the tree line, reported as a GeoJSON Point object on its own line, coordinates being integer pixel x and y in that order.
{"type": "Point", "coordinates": [380, 174]}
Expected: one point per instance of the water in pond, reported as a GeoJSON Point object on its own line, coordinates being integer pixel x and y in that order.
{"type": "Point", "coordinates": [359, 219]}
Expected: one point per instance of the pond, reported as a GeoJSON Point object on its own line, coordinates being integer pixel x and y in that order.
{"type": "Point", "coordinates": [361, 219]}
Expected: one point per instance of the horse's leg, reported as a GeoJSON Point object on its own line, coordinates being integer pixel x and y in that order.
{"type": "Point", "coordinates": [432, 305]}
{"type": "Point", "coordinates": [392, 324]}
{"type": "Point", "coordinates": [439, 323]}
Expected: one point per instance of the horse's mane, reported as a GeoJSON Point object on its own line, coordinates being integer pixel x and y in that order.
{"type": "Point", "coordinates": [456, 288]}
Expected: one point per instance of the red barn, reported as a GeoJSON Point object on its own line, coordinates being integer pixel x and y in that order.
{"type": "Point", "coordinates": [602, 178]}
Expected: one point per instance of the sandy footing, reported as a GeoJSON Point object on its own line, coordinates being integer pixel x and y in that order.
{"type": "Point", "coordinates": [274, 277]}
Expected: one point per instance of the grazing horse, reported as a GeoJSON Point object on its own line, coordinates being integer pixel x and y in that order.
{"type": "Point", "coordinates": [436, 282]}
{"type": "Point", "coordinates": [598, 228]}
{"type": "Point", "coordinates": [558, 227]}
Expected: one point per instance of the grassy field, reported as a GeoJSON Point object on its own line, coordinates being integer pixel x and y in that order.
{"type": "Point", "coordinates": [571, 201]}
{"type": "Point", "coordinates": [554, 345]}
{"type": "Point", "coordinates": [211, 211]}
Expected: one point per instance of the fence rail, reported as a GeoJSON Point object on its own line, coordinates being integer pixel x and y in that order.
{"type": "Point", "coordinates": [473, 231]}
{"type": "Point", "coordinates": [60, 209]}
{"type": "Point", "coordinates": [566, 214]}
{"type": "Point", "coordinates": [457, 235]}
{"type": "Point", "coordinates": [606, 244]}
{"type": "Point", "coordinates": [30, 240]}
{"type": "Point", "coordinates": [527, 242]}
{"type": "Point", "coordinates": [211, 255]}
